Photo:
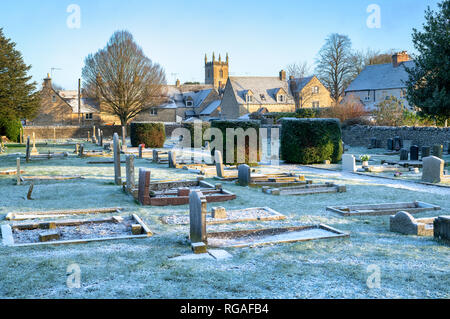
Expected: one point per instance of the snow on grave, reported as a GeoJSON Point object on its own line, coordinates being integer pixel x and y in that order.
{"type": "Point", "coordinates": [405, 223]}
{"type": "Point", "coordinates": [246, 178]}
{"type": "Point", "coordinates": [382, 209]}
{"type": "Point", "coordinates": [73, 231]}
{"type": "Point", "coordinates": [307, 189]}
{"type": "Point", "coordinates": [61, 213]}
{"type": "Point", "coordinates": [166, 193]}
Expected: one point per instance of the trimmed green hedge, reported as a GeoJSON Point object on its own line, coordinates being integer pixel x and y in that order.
{"type": "Point", "coordinates": [190, 126]}
{"type": "Point", "coordinates": [310, 141]}
{"type": "Point", "coordinates": [10, 128]}
{"type": "Point", "coordinates": [151, 134]}
{"type": "Point", "coordinates": [234, 124]}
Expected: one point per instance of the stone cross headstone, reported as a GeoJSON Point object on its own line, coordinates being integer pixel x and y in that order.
{"type": "Point", "coordinates": [438, 150]}
{"type": "Point", "coordinates": [155, 156]}
{"type": "Point", "coordinates": [433, 169]}
{"type": "Point", "coordinates": [131, 183]}
{"type": "Point", "coordinates": [390, 144]}
{"type": "Point", "coordinates": [27, 150]}
{"type": "Point", "coordinates": [34, 151]}
{"type": "Point", "coordinates": [414, 153]}
{"type": "Point", "coordinates": [244, 175]}
{"type": "Point", "coordinates": [348, 163]}
{"type": "Point", "coordinates": [18, 171]}
{"type": "Point", "coordinates": [404, 153]}
{"type": "Point", "coordinates": [197, 217]}
{"type": "Point", "coordinates": [397, 143]}
{"type": "Point", "coordinates": [172, 159]}
{"type": "Point", "coordinates": [426, 151]}
{"type": "Point", "coordinates": [219, 163]}
{"type": "Point", "coordinates": [116, 152]}
{"type": "Point", "coordinates": [140, 150]}
{"type": "Point", "coordinates": [124, 138]}
{"type": "Point", "coordinates": [144, 186]}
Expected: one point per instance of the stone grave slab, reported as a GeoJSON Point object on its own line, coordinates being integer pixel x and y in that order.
{"type": "Point", "coordinates": [61, 213]}
{"type": "Point", "coordinates": [404, 223]}
{"type": "Point", "coordinates": [382, 209]}
{"type": "Point", "coordinates": [308, 189]}
{"type": "Point", "coordinates": [442, 228]}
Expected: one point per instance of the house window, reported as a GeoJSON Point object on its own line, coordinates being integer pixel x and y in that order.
{"type": "Point", "coordinates": [154, 111]}
{"type": "Point", "coordinates": [88, 116]}
{"type": "Point", "coordinates": [263, 98]}
{"type": "Point", "coordinates": [281, 98]}
{"type": "Point", "coordinates": [221, 73]}
{"type": "Point", "coordinates": [315, 104]}
{"type": "Point", "coordinates": [315, 90]}
{"type": "Point", "coordinates": [189, 104]}
{"type": "Point", "coordinates": [54, 98]}
{"type": "Point", "coordinates": [249, 98]}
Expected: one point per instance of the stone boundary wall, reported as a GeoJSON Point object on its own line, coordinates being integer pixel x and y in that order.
{"type": "Point", "coordinates": [359, 135]}
{"type": "Point", "coordinates": [81, 132]}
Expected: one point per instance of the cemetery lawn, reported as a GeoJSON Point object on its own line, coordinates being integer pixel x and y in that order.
{"type": "Point", "coordinates": [411, 266]}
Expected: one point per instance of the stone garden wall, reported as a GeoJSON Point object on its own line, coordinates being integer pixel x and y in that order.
{"type": "Point", "coordinates": [359, 135]}
{"type": "Point", "coordinates": [68, 132]}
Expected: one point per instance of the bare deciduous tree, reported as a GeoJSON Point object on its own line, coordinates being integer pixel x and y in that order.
{"type": "Point", "coordinates": [334, 64]}
{"type": "Point", "coordinates": [125, 80]}
{"type": "Point", "coordinates": [298, 70]}
{"type": "Point", "coordinates": [361, 59]}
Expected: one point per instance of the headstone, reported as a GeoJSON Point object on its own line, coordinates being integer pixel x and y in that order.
{"type": "Point", "coordinates": [34, 150]}
{"type": "Point", "coordinates": [155, 156]}
{"type": "Point", "coordinates": [89, 136]}
{"type": "Point", "coordinates": [438, 150]}
{"type": "Point", "coordinates": [397, 143]}
{"type": "Point", "coordinates": [244, 175]}
{"type": "Point", "coordinates": [116, 152]}
{"type": "Point", "coordinates": [390, 144]}
{"type": "Point", "coordinates": [124, 138]}
{"type": "Point", "coordinates": [197, 217]}
{"type": "Point", "coordinates": [219, 163]}
{"type": "Point", "coordinates": [94, 139]}
{"type": "Point", "coordinates": [81, 150]}
{"type": "Point", "coordinates": [441, 227]}
{"type": "Point", "coordinates": [144, 186]}
{"type": "Point", "coordinates": [348, 163]}
{"type": "Point", "coordinates": [447, 147]}
{"type": "Point", "coordinates": [433, 169]}
{"type": "Point", "coordinates": [404, 223]}
{"type": "Point", "coordinates": [426, 151]}
{"type": "Point", "coordinates": [414, 153]}
{"type": "Point", "coordinates": [27, 150]}
{"type": "Point", "coordinates": [99, 137]}
{"type": "Point", "coordinates": [18, 171]}
{"type": "Point", "coordinates": [172, 159]}
{"type": "Point", "coordinates": [30, 190]}
{"type": "Point", "coordinates": [404, 154]}
{"type": "Point", "coordinates": [77, 148]}
{"type": "Point", "coordinates": [141, 146]}
{"type": "Point", "coordinates": [131, 183]}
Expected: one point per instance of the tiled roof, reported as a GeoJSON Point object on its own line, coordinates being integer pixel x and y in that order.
{"type": "Point", "coordinates": [211, 107]}
{"type": "Point", "coordinates": [381, 77]}
{"type": "Point", "coordinates": [88, 105]}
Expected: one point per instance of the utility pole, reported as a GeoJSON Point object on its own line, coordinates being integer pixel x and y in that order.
{"type": "Point", "coordinates": [79, 101]}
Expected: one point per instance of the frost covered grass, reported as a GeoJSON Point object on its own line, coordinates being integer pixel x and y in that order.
{"type": "Point", "coordinates": [411, 266]}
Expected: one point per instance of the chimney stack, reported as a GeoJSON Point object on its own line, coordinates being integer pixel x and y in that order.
{"type": "Point", "coordinates": [47, 82]}
{"type": "Point", "coordinates": [283, 75]}
{"type": "Point", "coordinates": [177, 83]}
{"type": "Point", "coordinates": [399, 58]}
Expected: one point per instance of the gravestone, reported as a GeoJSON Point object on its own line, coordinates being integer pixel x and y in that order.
{"type": "Point", "coordinates": [414, 153]}
{"type": "Point", "coordinates": [348, 163]}
{"type": "Point", "coordinates": [438, 150]}
{"type": "Point", "coordinates": [172, 159]}
{"type": "Point", "coordinates": [27, 150]}
{"type": "Point", "coordinates": [99, 137]}
{"type": "Point", "coordinates": [426, 151]}
{"type": "Point", "coordinates": [18, 170]}
{"type": "Point", "coordinates": [131, 184]}
{"type": "Point", "coordinates": [442, 227]}
{"type": "Point", "coordinates": [433, 169]}
{"type": "Point", "coordinates": [81, 150]}
{"type": "Point", "coordinates": [397, 143]}
{"type": "Point", "coordinates": [197, 217]}
{"type": "Point", "coordinates": [34, 150]}
{"type": "Point", "coordinates": [219, 163]}
{"type": "Point", "coordinates": [447, 147]}
{"type": "Point", "coordinates": [244, 175]}
{"type": "Point", "coordinates": [124, 138]}
{"type": "Point", "coordinates": [144, 186]}
{"type": "Point", "coordinates": [116, 152]}
{"type": "Point", "coordinates": [140, 150]}
{"type": "Point", "coordinates": [94, 139]}
{"type": "Point", "coordinates": [404, 153]}
{"type": "Point", "coordinates": [404, 223]}
{"type": "Point", "coordinates": [77, 148]}
{"type": "Point", "coordinates": [155, 156]}
{"type": "Point", "coordinates": [390, 144]}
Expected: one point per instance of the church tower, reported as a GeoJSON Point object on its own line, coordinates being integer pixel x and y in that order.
{"type": "Point", "coordinates": [216, 72]}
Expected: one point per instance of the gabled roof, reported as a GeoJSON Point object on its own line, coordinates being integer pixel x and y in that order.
{"type": "Point", "coordinates": [211, 107]}
{"type": "Point", "coordinates": [302, 82]}
{"type": "Point", "coordinates": [87, 105]}
{"type": "Point", "coordinates": [260, 86]}
{"type": "Point", "coordinates": [177, 96]}
{"type": "Point", "coordinates": [381, 77]}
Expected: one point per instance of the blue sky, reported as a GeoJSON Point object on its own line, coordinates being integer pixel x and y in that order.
{"type": "Point", "coordinates": [261, 37]}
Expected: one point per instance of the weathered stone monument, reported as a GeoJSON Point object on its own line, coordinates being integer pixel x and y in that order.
{"type": "Point", "coordinates": [155, 156]}
{"type": "Point", "coordinates": [414, 153]}
{"type": "Point", "coordinates": [124, 138]}
{"type": "Point", "coordinates": [197, 221]}
{"type": "Point", "coordinates": [144, 186]}
{"type": "Point", "coordinates": [433, 169]}
{"type": "Point", "coordinates": [404, 223]}
{"type": "Point", "coordinates": [81, 150]}
{"type": "Point", "coordinates": [116, 152]}
{"type": "Point", "coordinates": [130, 182]}
{"type": "Point", "coordinates": [442, 228]}
{"type": "Point", "coordinates": [94, 138]}
{"type": "Point", "coordinates": [172, 159]}
{"type": "Point", "coordinates": [438, 150]}
{"type": "Point", "coordinates": [404, 154]}
{"type": "Point", "coordinates": [219, 163]}
{"type": "Point", "coordinates": [27, 150]}
{"type": "Point", "coordinates": [244, 175]}
{"type": "Point", "coordinates": [348, 163]}
{"type": "Point", "coordinates": [140, 150]}
{"type": "Point", "coordinates": [390, 144]}
{"type": "Point", "coordinates": [426, 151]}
{"type": "Point", "coordinates": [34, 151]}
{"type": "Point", "coordinates": [397, 143]}
{"type": "Point", "coordinates": [18, 170]}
